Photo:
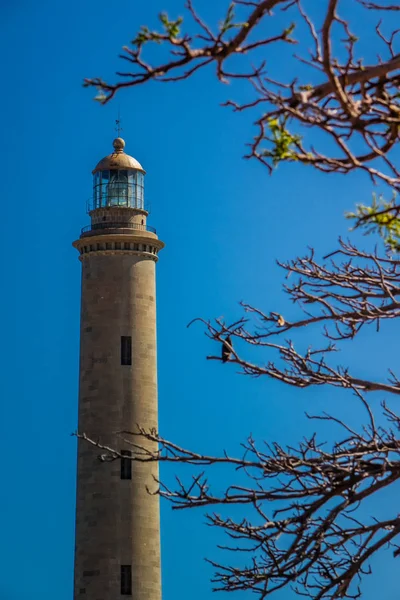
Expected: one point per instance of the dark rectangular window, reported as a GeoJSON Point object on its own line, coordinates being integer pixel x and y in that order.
{"type": "Point", "coordinates": [126, 465]}
{"type": "Point", "coordinates": [126, 350]}
{"type": "Point", "coordinates": [126, 580]}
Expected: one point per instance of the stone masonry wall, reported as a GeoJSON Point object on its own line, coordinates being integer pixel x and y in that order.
{"type": "Point", "coordinates": [117, 521]}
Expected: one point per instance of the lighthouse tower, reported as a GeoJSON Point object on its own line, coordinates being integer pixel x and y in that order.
{"type": "Point", "coordinates": [117, 551]}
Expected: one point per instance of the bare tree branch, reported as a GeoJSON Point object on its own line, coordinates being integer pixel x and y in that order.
{"type": "Point", "coordinates": [304, 525]}
{"type": "Point", "coordinates": [354, 289]}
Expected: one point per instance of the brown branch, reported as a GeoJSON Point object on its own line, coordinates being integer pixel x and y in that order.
{"type": "Point", "coordinates": [305, 526]}
{"type": "Point", "coordinates": [355, 106]}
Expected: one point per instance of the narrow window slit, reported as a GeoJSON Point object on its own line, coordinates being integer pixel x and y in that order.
{"type": "Point", "coordinates": [126, 464]}
{"type": "Point", "coordinates": [126, 580]}
{"type": "Point", "coordinates": [126, 350]}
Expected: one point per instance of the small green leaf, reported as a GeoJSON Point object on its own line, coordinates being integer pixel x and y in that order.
{"type": "Point", "coordinates": [100, 96]}
{"type": "Point", "coordinates": [381, 216]}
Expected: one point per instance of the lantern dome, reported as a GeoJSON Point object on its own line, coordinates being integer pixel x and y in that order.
{"type": "Point", "coordinates": [118, 159]}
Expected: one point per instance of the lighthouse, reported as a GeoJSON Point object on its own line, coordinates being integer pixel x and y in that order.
{"type": "Point", "coordinates": [117, 547]}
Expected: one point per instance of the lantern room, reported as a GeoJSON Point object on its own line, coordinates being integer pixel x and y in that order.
{"type": "Point", "coordinates": [118, 180]}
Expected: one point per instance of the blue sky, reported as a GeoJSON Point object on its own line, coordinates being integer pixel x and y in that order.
{"type": "Point", "coordinates": [224, 222]}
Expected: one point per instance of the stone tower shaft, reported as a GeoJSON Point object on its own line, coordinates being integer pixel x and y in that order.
{"type": "Point", "coordinates": [117, 551]}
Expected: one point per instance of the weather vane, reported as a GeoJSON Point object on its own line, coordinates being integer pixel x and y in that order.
{"type": "Point", "coordinates": [118, 127]}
